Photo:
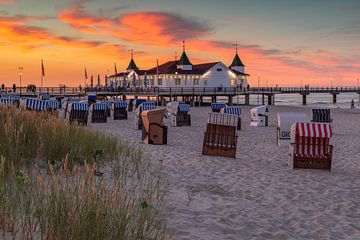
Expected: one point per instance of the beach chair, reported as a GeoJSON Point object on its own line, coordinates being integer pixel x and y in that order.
{"type": "Point", "coordinates": [119, 110]}
{"type": "Point", "coordinates": [44, 96]}
{"type": "Point", "coordinates": [91, 98]}
{"type": "Point", "coordinates": [77, 112]}
{"type": "Point", "coordinates": [259, 117]}
{"type": "Point", "coordinates": [284, 122]}
{"type": "Point", "coordinates": [216, 107]}
{"type": "Point", "coordinates": [9, 102]}
{"type": "Point", "coordinates": [179, 114]}
{"type": "Point", "coordinates": [131, 105]}
{"type": "Point", "coordinates": [145, 106]}
{"type": "Point", "coordinates": [34, 104]}
{"type": "Point", "coordinates": [220, 138]}
{"type": "Point", "coordinates": [234, 111]}
{"type": "Point", "coordinates": [98, 112]}
{"type": "Point", "coordinates": [321, 115]}
{"type": "Point", "coordinates": [54, 105]}
{"type": "Point", "coordinates": [310, 146]}
{"type": "Point", "coordinates": [153, 129]}
{"type": "Point", "coordinates": [109, 106]}
{"type": "Point", "coordinates": [65, 104]}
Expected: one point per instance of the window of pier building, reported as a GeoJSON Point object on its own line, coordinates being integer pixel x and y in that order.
{"type": "Point", "coordinates": [205, 81]}
{"type": "Point", "coordinates": [159, 81]}
{"type": "Point", "coordinates": [196, 81]}
{"type": "Point", "coordinates": [177, 81]}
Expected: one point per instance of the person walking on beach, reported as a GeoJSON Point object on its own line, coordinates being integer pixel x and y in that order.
{"type": "Point", "coordinates": [352, 104]}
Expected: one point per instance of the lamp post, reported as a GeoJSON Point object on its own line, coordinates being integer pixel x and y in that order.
{"type": "Point", "coordinates": [267, 81]}
{"type": "Point", "coordinates": [258, 98]}
{"type": "Point", "coordinates": [331, 82]}
{"type": "Point", "coordinates": [301, 82]}
{"type": "Point", "coordinates": [20, 76]}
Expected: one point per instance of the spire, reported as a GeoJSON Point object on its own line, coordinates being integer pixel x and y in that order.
{"type": "Point", "coordinates": [184, 60]}
{"type": "Point", "coordinates": [236, 62]}
{"type": "Point", "coordinates": [132, 65]}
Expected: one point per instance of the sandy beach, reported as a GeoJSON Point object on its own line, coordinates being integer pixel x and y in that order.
{"type": "Point", "coordinates": [256, 195]}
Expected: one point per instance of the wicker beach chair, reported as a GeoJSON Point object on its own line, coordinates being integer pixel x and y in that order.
{"type": "Point", "coordinates": [216, 107]}
{"type": "Point", "coordinates": [259, 117]}
{"type": "Point", "coordinates": [284, 122]}
{"type": "Point", "coordinates": [98, 112]}
{"type": "Point", "coordinates": [145, 106]}
{"type": "Point", "coordinates": [179, 114]}
{"type": "Point", "coordinates": [220, 138]}
{"type": "Point", "coordinates": [34, 104]}
{"type": "Point", "coordinates": [153, 129]}
{"type": "Point", "coordinates": [310, 146]}
{"type": "Point", "coordinates": [9, 102]}
{"type": "Point", "coordinates": [77, 112]}
{"type": "Point", "coordinates": [321, 115]}
{"type": "Point", "coordinates": [119, 110]}
{"type": "Point", "coordinates": [233, 111]}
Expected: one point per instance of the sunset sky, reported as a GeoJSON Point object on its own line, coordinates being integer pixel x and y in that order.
{"type": "Point", "coordinates": [281, 40]}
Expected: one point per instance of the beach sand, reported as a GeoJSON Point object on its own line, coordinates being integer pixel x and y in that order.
{"type": "Point", "coordinates": [256, 195]}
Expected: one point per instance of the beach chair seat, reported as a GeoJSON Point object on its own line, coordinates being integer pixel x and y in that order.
{"type": "Point", "coordinates": [119, 110]}
{"type": "Point", "coordinates": [179, 114]}
{"type": "Point", "coordinates": [220, 138]}
{"type": "Point", "coordinates": [259, 117]}
{"type": "Point", "coordinates": [153, 129]}
{"type": "Point", "coordinates": [98, 112]}
{"type": "Point", "coordinates": [310, 146]}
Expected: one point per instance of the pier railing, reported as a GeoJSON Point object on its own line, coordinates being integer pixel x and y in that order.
{"type": "Point", "coordinates": [183, 91]}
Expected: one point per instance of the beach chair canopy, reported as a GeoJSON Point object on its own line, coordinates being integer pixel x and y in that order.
{"type": "Point", "coordinates": [8, 95]}
{"type": "Point", "coordinates": [120, 104]}
{"type": "Point", "coordinates": [99, 106]}
{"type": "Point", "coordinates": [139, 101]}
{"type": "Point", "coordinates": [222, 119]}
{"type": "Point", "coordinates": [54, 104]}
{"type": "Point", "coordinates": [8, 101]}
{"type": "Point", "coordinates": [174, 107]}
{"type": "Point", "coordinates": [231, 110]}
{"type": "Point", "coordinates": [183, 107]}
{"type": "Point", "coordinates": [286, 119]}
{"type": "Point", "coordinates": [217, 105]}
{"type": "Point", "coordinates": [321, 115]}
{"type": "Point", "coordinates": [152, 116]}
{"type": "Point", "coordinates": [36, 104]}
{"type": "Point", "coordinates": [79, 106]}
{"type": "Point", "coordinates": [108, 103]}
{"type": "Point", "coordinates": [44, 96]}
{"type": "Point", "coordinates": [312, 130]}
{"type": "Point", "coordinates": [259, 111]}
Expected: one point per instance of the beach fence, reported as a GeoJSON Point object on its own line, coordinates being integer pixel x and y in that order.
{"type": "Point", "coordinates": [220, 138]}
{"type": "Point", "coordinates": [153, 129]}
{"type": "Point", "coordinates": [310, 145]}
{"type": "Point", "coordinates": [233, 111]}
{"type": "Point", "coordinates": [98, 112]}
{"type": "Point", "coordinates": [321, 115]}
{"type": "Point", "coordinates": [259, 117]}
{"type": "Point", "coordinates": [144, 106]}
{"type": "Point", "coordinates": [179, 114]}
{"type": "Point", "coordinates": [77, 112]}
{"type": "Point", "coordinates": [119, 110]}
{"type": "Point", "coordinates": [216, 107]}
{"type": "Point", "coordinates": [284, 123]}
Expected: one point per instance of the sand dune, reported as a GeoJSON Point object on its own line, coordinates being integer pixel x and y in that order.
{"type": "Point", "coordinates": [256, 195]}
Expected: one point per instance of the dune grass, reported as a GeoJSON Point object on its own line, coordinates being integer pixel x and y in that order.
{"type": "Point", "coordinates": [40, 200]}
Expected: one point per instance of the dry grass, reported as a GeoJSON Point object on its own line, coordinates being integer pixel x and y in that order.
{"type": "Point", "coordinates": [72, 201]}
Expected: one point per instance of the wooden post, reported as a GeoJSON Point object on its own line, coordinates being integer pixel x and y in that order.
{"type": "Point", "coordinates": [263, 99]}
{"type": "Point", "coordinates": [247, 99]}
{"type": "Point", "coordinates": [334, 97]}
{"type": "Point", "coordinates": [230, 101]}
{"type": "Point", "coordinates": [304, 99]}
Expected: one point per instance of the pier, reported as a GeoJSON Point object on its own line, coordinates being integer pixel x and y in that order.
{"type": "Point", "coordinates": [193, 95]}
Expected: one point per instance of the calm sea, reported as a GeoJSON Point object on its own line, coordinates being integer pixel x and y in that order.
{"type": "Point", "coordinates": [318, 99]}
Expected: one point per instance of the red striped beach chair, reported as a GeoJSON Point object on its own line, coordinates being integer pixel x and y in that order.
{"type": "Point", "coordinates": [310, 146]}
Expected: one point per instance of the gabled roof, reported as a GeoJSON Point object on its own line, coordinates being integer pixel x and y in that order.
{"type": "Point", "coordinates": [171, 68]}
{"type": "Point", "coordinates": [184, 60]}
{"type": "Point", "coordinates": [132, 65]}
{"type": "Point", "coordinates": [237, 62]}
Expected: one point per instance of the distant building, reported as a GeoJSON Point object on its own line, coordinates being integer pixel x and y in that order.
{"type": "Point", "coordinates": [183, 73]}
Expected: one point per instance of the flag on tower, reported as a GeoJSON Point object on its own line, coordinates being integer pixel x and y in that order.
{"type": "Point", "coordinates": [86, 75]}
{"type": "Point", "coordinates": [116, 72]}
{"type": "Point", "coordinates": [157, 67]}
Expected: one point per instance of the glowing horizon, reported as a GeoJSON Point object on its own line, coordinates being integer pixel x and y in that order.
{"type": "Point", "coordinates": [283, 42]}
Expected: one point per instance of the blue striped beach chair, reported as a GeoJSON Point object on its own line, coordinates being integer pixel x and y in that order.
{"type": "Point", "coordinates": [321, 115]}
{"type": "Point", "coordinates": [36, 104]}
{"type": "Point", "coordinates": [54, 105]}
{"type": "Point", "coordinates": [216, 107]}
{"type": "Point", "coordinates": [233, 111]}
{"type": "Point", "coordinates": [145, 106]}
{"type": "Point", "coordinates": [78, 112]}
{"type": "Point", "coordinates": [179, 114]}
{"type": "Point", "coordinates": [9, 102]}
{"type": "Point", "coordinates": [119, 109]}
{"type": "Point", "coordinates": [44, 96]}
{"type": "Point", "coordinates": [98, 112]}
